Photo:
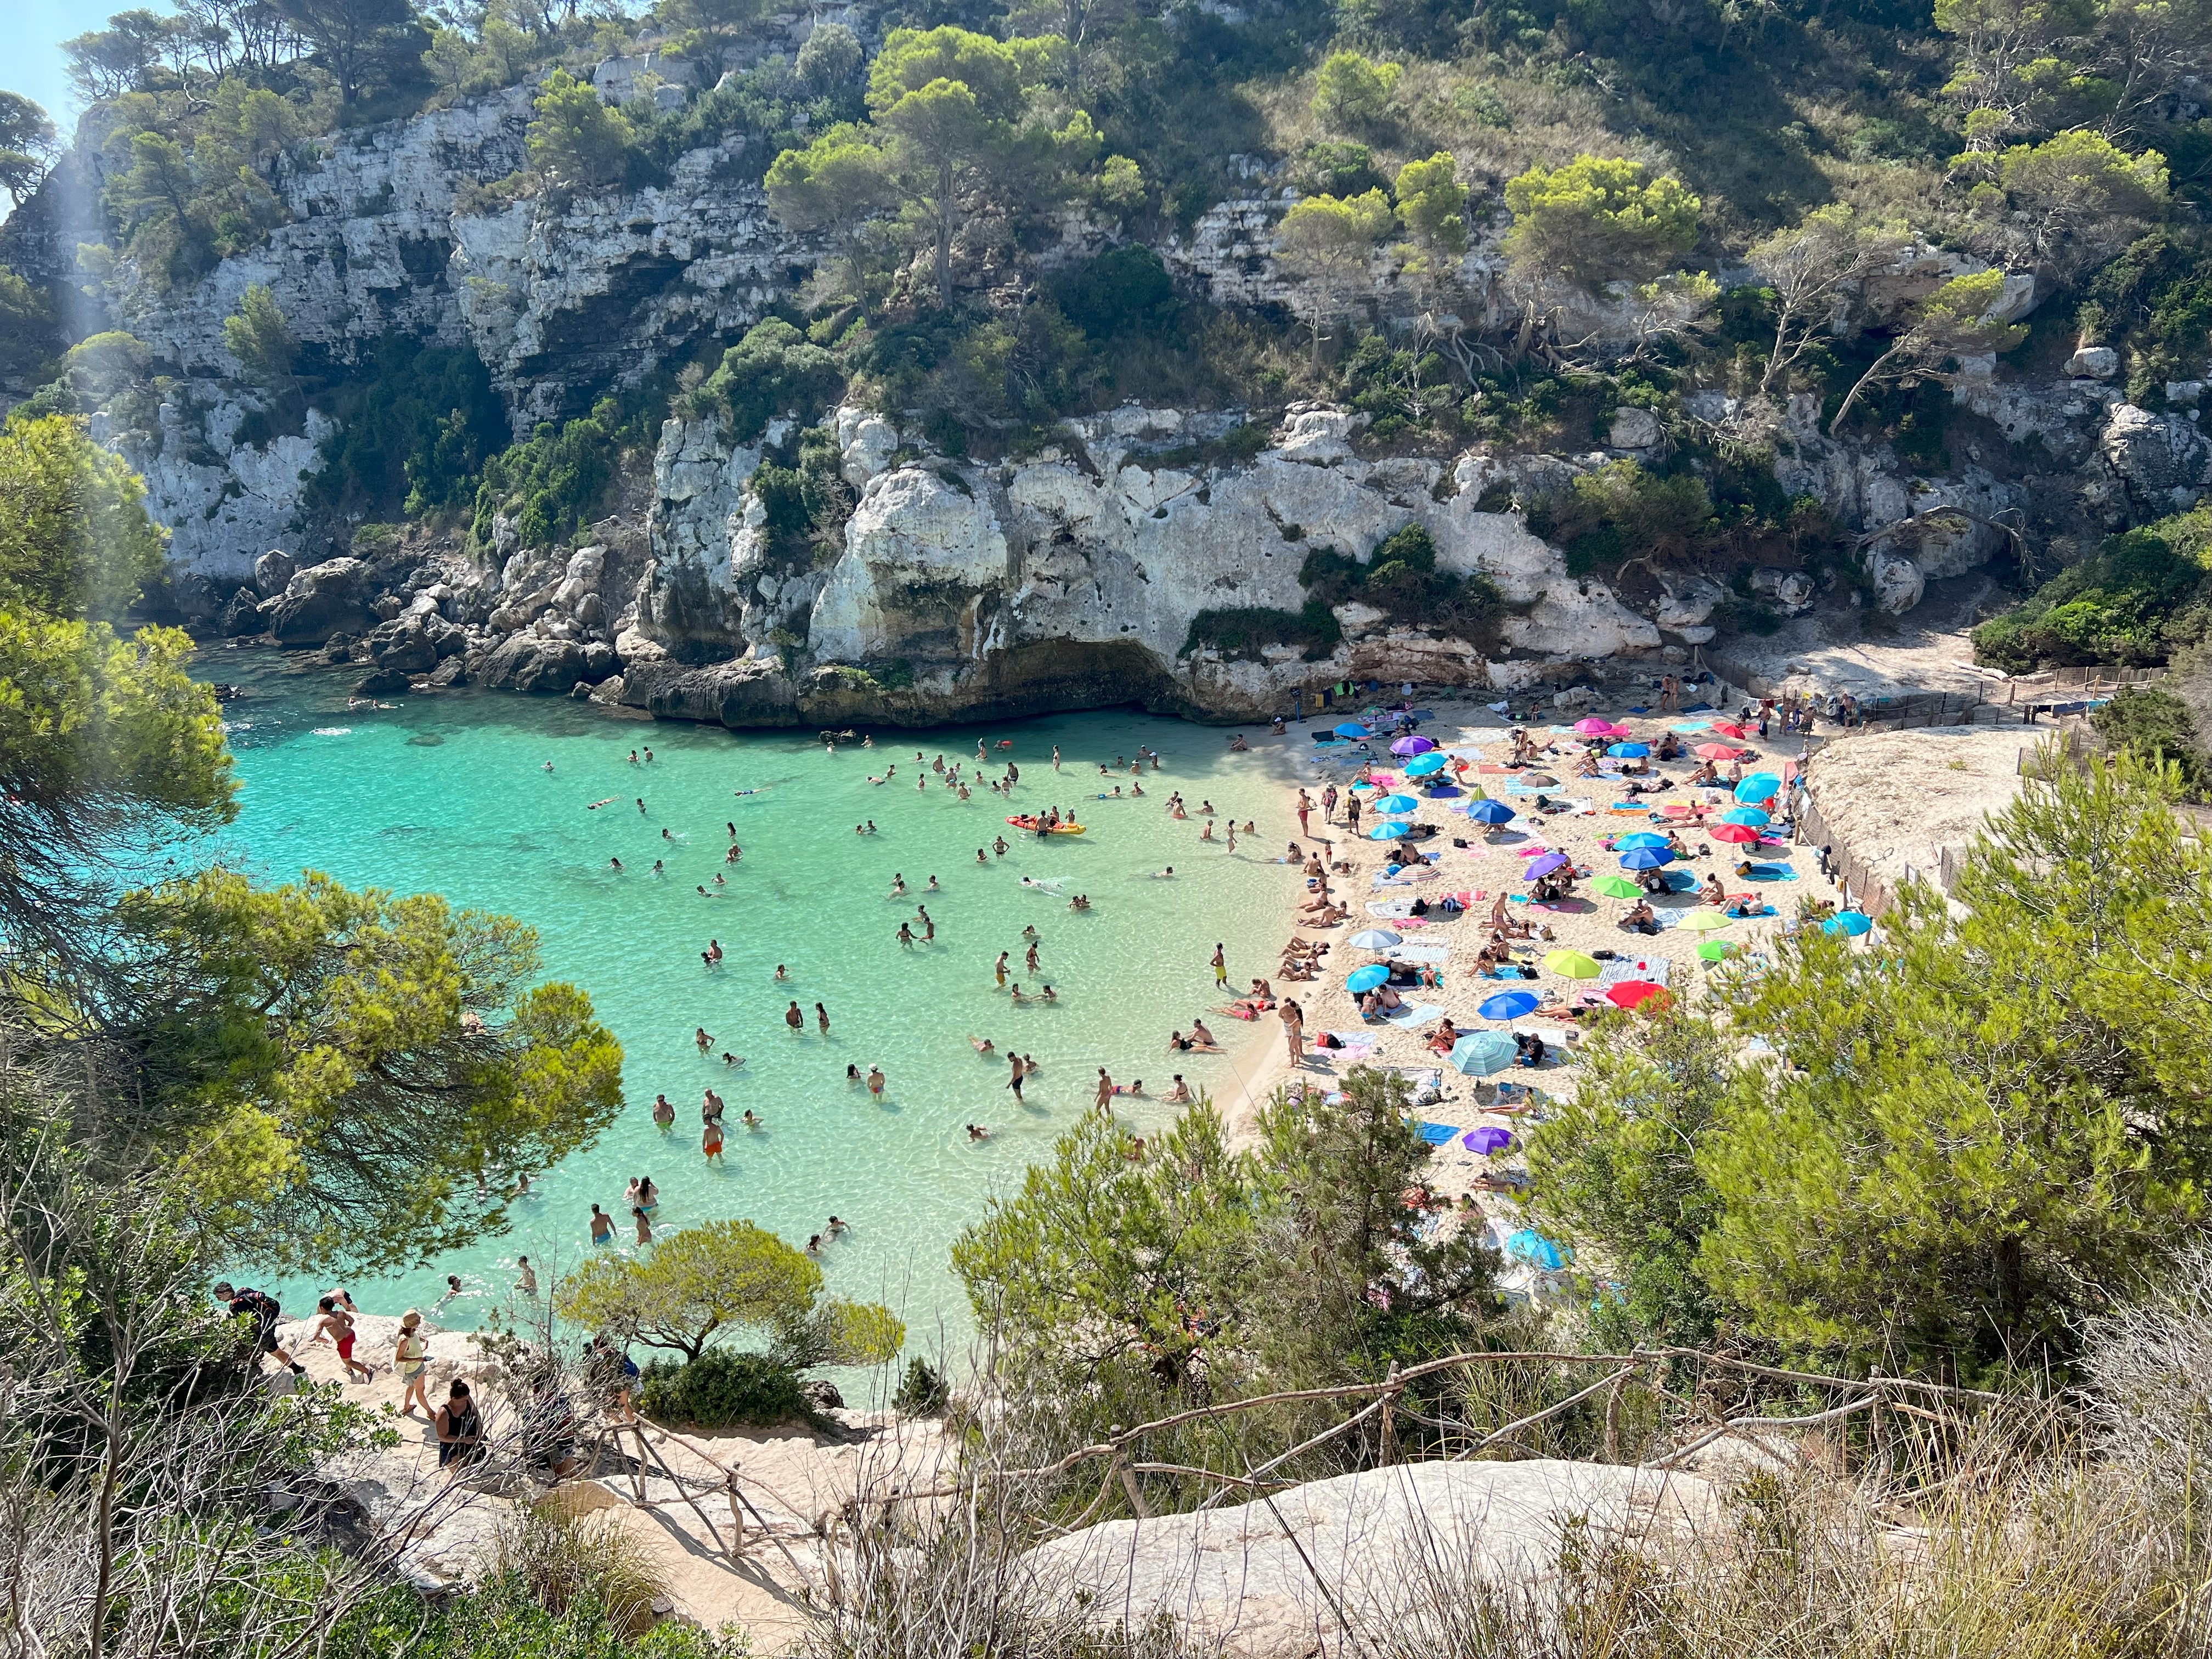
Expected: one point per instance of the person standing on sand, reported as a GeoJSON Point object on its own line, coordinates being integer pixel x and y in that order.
{"type": "Point", "coordinates": [1304, 806]}
{"type": "Point", "coordinates": [1294, 1030]}
{"type": "Point", "coordinates": [1328, 804]}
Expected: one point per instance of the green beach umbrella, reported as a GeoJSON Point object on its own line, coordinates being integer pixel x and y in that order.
{"type": "Point", "coordinates": [1617, 887]}
{"type": "Point", "coordinates": [1705, 921]}
{"type": "Point", "coordinates": [1718, 950]}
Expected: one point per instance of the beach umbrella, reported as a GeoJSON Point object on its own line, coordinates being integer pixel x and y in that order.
{"type": "Point", "coordinates": [1422, 765]}
{"type": "Point", "coordinates": [1714, 752]}
{"type": "Point", "coordinates": [1718, 950]}
{"type": "Point", "coordinates": [1594, 727]}
{"type": "Point", "coordinates": [1646, 858]}
{"type": "Point", "coordinates": [1630, 751]}
{"type": "Point", "coordinates": [1488, 1140]}
{"type": "Point", "coordinates": [1705, 921]}
{"type": "Point", "coordinates": [1690, 728]}
{"type": "Point", "coordinates": [1851, 923]}
{"type": "Point", "coordinates": [1351, 729]}
{"type": "Point", "coordinates": [1739, 833]}
{"type": "Point", "coordinates": [1758, 786]}
{"type": "Point", "coordinates": [1570, 965]}
{"type": "Point", "coordinates": [1367, 978]}
{"type": "Point", "coordinates": [1630, 991]}
{"type": "Point", "coordinates": [1641, 838]}
{"type": "Point", "coordinates": [1507, 1004]}
{"type": "Point", "coordinates": [1481, 1053]}
{"type": "Point", "coordinates": [1394, 806]}
{"type": "Point", "coordinates": [1729, 729]}
{"type": "Point", "coordinates": [1490, 811]}
{"type": "Point", "coordinates": [1374, 939]}
{"type": "Point", "coordinates": [1538, 1252]}
{"type": "Point", "coordinates": [1618, 887]}
{"type": "Point", "coordinates": [1385, 832]}
{"type": "Point", "coordinates": [1412, 744]}
{"type": "Point", "coordinates": [1750, 815]}
{"type": "Point", "coordinates": [1543, 864]}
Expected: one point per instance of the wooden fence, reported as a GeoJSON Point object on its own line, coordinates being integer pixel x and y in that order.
{"type": "Point", "coordinates": [2026, 698]}
{"type": "Point", "coordinates": [1865, 891]}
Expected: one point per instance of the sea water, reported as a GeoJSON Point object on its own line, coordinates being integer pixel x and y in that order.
{"type": "Point", "coordinates": [449, 793]}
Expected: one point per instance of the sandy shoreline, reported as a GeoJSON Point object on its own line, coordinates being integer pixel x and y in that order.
{"type": "Point", "coordinates": [1257, 1066]}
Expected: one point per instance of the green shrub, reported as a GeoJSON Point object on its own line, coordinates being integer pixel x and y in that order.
{"type": "Point", "coordinates": [1247, 631]}
{"type": "Point", "coordinates": [553, 481]}
{"type": "Point", "coordinates": [773, 372]}
{"type": "Point", "coordinates": [1622, 511]}
{"type": "Point", "coordinates": [2141, 596]}
{"type": "Point", "coordinates": [1401, 580]}
{"type": "Point", "coordinates": [2154, 725]}
{"type": "Point", "coordinates": [413, 431]}
{"type": "Point", "coordinates": [921, 1389]}
{"type": "Point", "coordinates": [1125, 290]}
{"type": "Point", "coordinates": [725, 1389]}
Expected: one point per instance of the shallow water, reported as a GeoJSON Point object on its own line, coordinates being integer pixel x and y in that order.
{"type": "Point", "coordinates": [448, 793]}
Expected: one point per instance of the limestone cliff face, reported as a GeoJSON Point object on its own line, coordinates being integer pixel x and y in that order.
{"type": "Point", "coordinates": [1072, 578]}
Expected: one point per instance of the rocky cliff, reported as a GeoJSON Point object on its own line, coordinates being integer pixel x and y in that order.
{"type": "Point", "coordinates": [1070, 576]}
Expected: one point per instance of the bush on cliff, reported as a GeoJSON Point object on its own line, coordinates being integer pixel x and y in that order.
{"type": "Point", "coordinates": [2141, 596]}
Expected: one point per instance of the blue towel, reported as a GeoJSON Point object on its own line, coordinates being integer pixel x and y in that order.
{"type": "Point", "coordinates": [1771, 872]}
{"type": "Point", "coordinates": [1437, 1135]}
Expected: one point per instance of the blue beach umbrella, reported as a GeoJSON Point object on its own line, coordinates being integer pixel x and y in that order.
{"type": "Point", "coordinates": [1421, 765]}
{"type": "Point", "coordinates": [1481, 1053]}
{"type": "Point", "coordinates": [1365, 978]}
{"type": "Point", "coordinates": [1630, 751]}
{"type": "Point", "coordinates": [1391, 806]}
{"type": "Point", "coordinates": [1490, 811]}
{"type": "Point", "coordinates": [1646, 858]}
{"type": "Point", "coordinates": [1350, 729]}
{"type": "Point", "coordinates": [1758, 786]}
{"type": "Point", "coordinates": [1851, 923]}
{"type": "Point", "coordinates": [1538, 1252]}
{"type": "Point", "coordinates": [1385, 832]}
{"type": "Point", "coordinates": [1630, 843]}
{"type": "Point", "coordinates": [1509, 1004]}
{"type": "Point", "coordinates": [1750, 817]}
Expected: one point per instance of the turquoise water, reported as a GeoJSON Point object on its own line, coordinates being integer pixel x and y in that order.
{"type": "Point", "coordinates": [447, 793]}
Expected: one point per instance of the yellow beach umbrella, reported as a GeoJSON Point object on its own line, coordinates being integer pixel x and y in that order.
{"type": "Point", "coordinates": [1570, 965]}
{"type": "Point", "coordinates": [1704, 921]}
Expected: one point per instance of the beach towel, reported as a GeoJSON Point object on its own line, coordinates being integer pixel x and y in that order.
{"type": "Point", "coordinates": [1426, 1082]}
{"type": "Point", "coordinates": [1771, 872]}
{"type": "Point", "coordinates": [1650, 968]}
{"type": "Point", "coordinates": [1419, 952]}
{"type": "Point", "coordinates": [1352, 1040]}
{"type": "Point", "coordinates": [1391, 910]}
{"type": "Point", "coordinates": [1440, 1135]}
{"type": "Point", "coordinates": [1413, 1016]}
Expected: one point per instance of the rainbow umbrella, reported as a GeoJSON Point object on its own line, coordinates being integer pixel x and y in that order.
{"type": "Point", "coordinates": [1490, 811]}
{"type": "Point", "coordinates": [1367, 978]}
{"type": "Point", "coordinates": [1509, 1004]}
{"type": "Point", "coordinates": [1705, 921]}
{"type": "Point", "coordinates": [1759, 786]}
{"type": "Point", "coordinates": [1422, 765]}
{"type": "Point", "coordinates": [1543, 865]}
{"type": "Point", "coordinates": [1414, 745]}
{"type": "Point", "coordinates": [1851, 923]}
{"type": "Point", "coordinates": [1570, 965]}
{"type": "Point", "coordinates": [1630, 751]}
{"type": "Point", "coordinates": [1646, 858]}
{"type": "Point", "coordinates": [1617, 887]}
{"type": "Point", "coordinates": [1738, 833]}
{"type": "Point", "coordinates": [1630, 991]}
{"type": "Point", "coordinates": [1750, 815]}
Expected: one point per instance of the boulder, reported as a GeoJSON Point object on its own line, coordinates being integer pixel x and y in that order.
{"type": "Point", "coordinates": [822, 1394]}
{"type": "Point", "coordinates": [323, 599]}
{"type": "Point", "coordinates": [1791, 591]}
{"type": "Point", "coordinates": [450, 672]}
{"type": "Point", "coordinates": [524, 662]}
{"type": "Point", "coordinates": [1896, 580]}
{"type": "Point", "coordinates": [410, 650]}
{"type": "Point", "coordinates": [1633, 428]}
{"type": "Point", "coordinates": [2163, 458]}
{"type": "Point", "coordinates": [1688, 605]}
{"type": "Point", "coordinates": [2094, 363]}
{"type": "Point", "coordinates": [1242, 1579]}
{"type": "Point", "coordinates": [242, 616]}
{"type": "Point", "coordinates": [378, 682]}
{"type": "Point", "coordinates": [273, 571]}
{"type": "Point", "coordinates": [1321, 436]}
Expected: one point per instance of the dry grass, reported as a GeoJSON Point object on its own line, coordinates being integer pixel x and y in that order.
{"type": "Point", "coordinates": [560, 1559]}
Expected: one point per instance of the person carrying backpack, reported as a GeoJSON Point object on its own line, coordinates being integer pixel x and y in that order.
{"type": "Point", "coordinates": [264, 1311]}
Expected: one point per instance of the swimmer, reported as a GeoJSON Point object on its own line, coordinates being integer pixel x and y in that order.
{"type": "Point", "coordinates": [667, 834]}
{"type": "Point", "coordinates": [836, 1228]}
{"type": "Point", "coordinates": [596, 805]}
{"type": "Point", "coordinates": [699, 1035]}
{"type": "Point", "coordinates": [614, 864]}
{"type": "Point", "coordinates": [712, 953]}
{"type": "Point", "coordinates": [999, 968]}
{"type": "Point", "coordinates": [749, 1121]}
{"type": "Point", "coordinates": [719, 881]}
{"type": "Point", "coordinates": [898, 886]}
{"type": "Point", "coordinates": [702, 892]}
{"type": "Point", "coordinates": [932, 888]}
{"type": "Point", "coordinates": [710, 1141]}
{"type": "Point", "coordinates": [875, 1081]}
{"type": "Point", "coordinates": [998, 845]}
{"type": "Point", "coordinates": [633, 757]}
{"type": "Point", "coordinates": [794, 1019]}
{"type": "Point", "coordinates": [814, 1245]}
{"type": "Point", "coordinates": [906, 933]}
{"type": "Point", "coordinates": [979, 855]}
{"type": "Point", "coordinates": [1163, 875]}
{"type": "Point", "coordinates": [648, 757]}
{"type": "Point", "coordinates": [1049, 995]}
{"type": "Point", "coordinates": [822, 1019]}
{"type": "Point", "coordinates": [851, 1073]}
{"type": "Point", "coordinates": [780, 973]}
{"type": "Point", "coordinates": [977, 1132]}
{"type": "Point", "coordinates": [982, 1045]}
{"type": "Point", "coordinates": [663, 1112]}
{"type": "Point", "coordinates": [732, 1060]}
{"type": "Point", "coordinates": [644, 1225]}
{"type": "Point", "coordinates": [640, 805]}
{"type": "Point", "coordinates": [549, 766]}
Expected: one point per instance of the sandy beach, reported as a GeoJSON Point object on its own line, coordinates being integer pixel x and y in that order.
{"type": "Point", "coordinates": [1258, 1062]}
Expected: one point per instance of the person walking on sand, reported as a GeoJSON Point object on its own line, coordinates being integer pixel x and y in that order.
{"type": "Point", "coordinates": [334, 1324]}
{"type": "Point", "coordinates": [1220, 969]}
{"type": "Point", "coordinates": [1294, 1030]}
{"type": "Point", "coordinates": [410, 1356]}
